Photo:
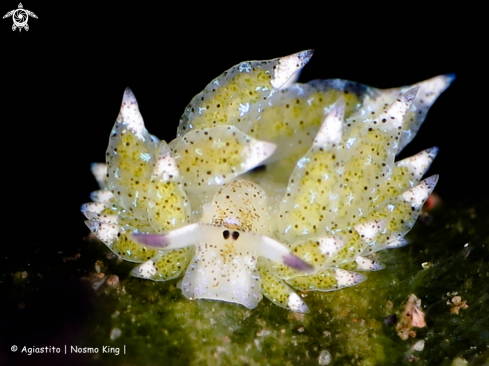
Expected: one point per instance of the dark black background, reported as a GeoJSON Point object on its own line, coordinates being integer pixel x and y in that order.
{"type": "Point", "coordinates": [62, 84]}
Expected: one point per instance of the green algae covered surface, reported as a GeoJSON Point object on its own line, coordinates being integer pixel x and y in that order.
{"type": "Point", "coordinates": [446, 266]}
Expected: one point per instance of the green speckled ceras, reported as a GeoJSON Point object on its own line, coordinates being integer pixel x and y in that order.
{"type": "Point", "coordinates": [328, 193]}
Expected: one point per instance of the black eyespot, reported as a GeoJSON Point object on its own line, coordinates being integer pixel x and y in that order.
{"type": "Point", "coordinates": [225, 234]}
{"type": "Point", "coordinates": [235, 235]}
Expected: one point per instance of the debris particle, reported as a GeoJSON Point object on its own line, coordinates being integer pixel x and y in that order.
{"type": "Point", "coordinates": [324, 358]}
{"type": "Point", "coordinates": [418, 346]}
{"type": "Point", "coordinates": [263, 333]}
{"type": "Point", "coordinates": [412, 317]}
{"type": "Point", "coordinates": [459, 361]}
{"type": "Point", "coordinates": [458, 304]}
{"type": "Point", "coordinates": [96, 279]}
{"type": "Point", "coordinates": [115, 333]}
{"type": "Point", "coordinates": [98, 266]}
{"type": "Point", "coordinates": [327, 334]}
{"type": "Point", "coordinates": [113, 280]}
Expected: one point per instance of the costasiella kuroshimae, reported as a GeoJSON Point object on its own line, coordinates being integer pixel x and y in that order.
{"type": "Point", "coordinates": [327, 196]}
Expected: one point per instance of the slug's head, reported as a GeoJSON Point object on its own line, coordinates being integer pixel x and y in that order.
{"type": "Point", "coordinates": [240, 205]}
{"type": "Point", "coordinates": [231, 235]}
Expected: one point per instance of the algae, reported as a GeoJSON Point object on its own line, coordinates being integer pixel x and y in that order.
{"type": "Point", "coordinates": [87, 298]}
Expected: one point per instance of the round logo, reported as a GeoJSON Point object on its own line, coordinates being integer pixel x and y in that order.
{"type": "Point", "coordinates": [20, 17]}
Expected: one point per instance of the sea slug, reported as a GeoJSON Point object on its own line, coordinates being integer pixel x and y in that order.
{"type": "Point", "coordinates": [270, 186]}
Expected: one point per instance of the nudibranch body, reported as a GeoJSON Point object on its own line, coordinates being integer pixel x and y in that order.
{"type": "Point", "coordinates": [270, 186]}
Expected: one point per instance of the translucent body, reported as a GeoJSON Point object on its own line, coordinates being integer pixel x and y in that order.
{"type": "Point", "coordinates": [329, 193]}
